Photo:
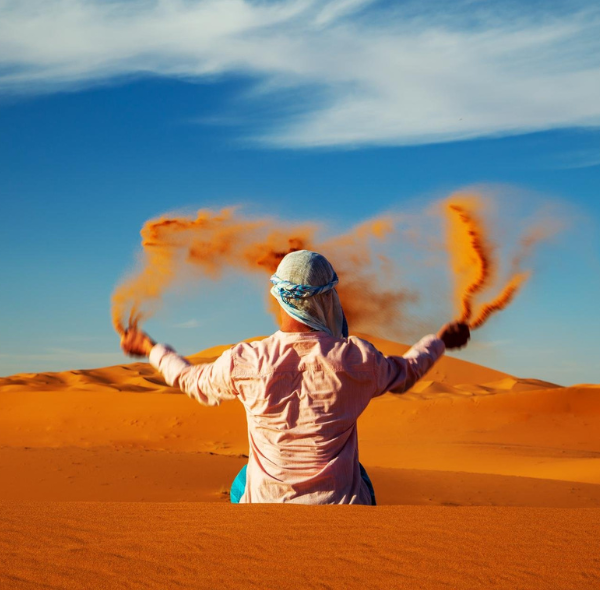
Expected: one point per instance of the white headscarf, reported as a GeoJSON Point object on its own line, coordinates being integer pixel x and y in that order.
{"type": "Point", "coordinates": [304, 286]}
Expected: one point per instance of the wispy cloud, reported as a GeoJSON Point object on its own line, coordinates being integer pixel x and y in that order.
{"type": "Point", "coordinates": [61, 354]}
{"type": "Point", "coordinates": [579, 159]}
{"type": "Point", "coordinates": [58, 359]}
{"type": "Point", "coordinates": [478, 345]}
{"type": "Point", "coordinates": [189, 324]}
{"type": "Point", "coordinates": [362, 72]}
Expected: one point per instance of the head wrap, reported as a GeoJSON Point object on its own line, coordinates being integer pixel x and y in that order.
{"type": "Point", "coordinates": [304, 286]}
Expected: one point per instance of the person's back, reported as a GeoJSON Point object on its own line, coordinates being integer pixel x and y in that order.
{"type": "Point", "coordinates": [303, 393]}
{"type": "Point", "coordinates": [303, 389]}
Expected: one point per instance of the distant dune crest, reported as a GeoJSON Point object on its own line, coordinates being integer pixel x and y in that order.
{"type": "Point", "coordinates": [449, 377]}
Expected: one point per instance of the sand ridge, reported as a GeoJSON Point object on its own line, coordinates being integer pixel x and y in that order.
{"type": "Point", "coordinates": [461, 419]}
{"type": "Point", "coordinates": [197, 545]}
{"type": "Point", "coordinates": [112, 479]}
{"type": "Point", "coordinates": [141, 377]}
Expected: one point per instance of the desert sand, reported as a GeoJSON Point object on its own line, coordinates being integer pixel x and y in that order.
{"type": "Point", "coordinates": [112, 479]}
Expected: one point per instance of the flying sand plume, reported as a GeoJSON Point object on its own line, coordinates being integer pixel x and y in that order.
{"type": "Point", "coordinates": [175, 248]}
{"type": "Point", "coordinates": [471, 256]}
{"type": "Point", "coordinates": [506, 296]}
{"type": "Point", "coordinates": [213, 242]}
{"type": "Point", "coordinates": [473, 261]}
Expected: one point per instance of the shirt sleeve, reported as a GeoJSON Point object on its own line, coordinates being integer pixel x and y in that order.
{"type": "Point", "coordinates": [208, 383]}
{"type": "Point", "coordinates": [398, 374]}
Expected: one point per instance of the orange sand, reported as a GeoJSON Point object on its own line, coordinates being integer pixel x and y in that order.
{"type": "Point", "coordinates": [521, 456]}
{"type": "Point", "coordinates": [197, 546]}
{"type": "Point", "coordinates": [176, 250]}
{"type": "Point", "coordinates": [473, 261]}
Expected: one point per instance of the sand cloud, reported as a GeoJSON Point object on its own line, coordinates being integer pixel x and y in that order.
{"type": "Point", "coordinates": [361, 72]}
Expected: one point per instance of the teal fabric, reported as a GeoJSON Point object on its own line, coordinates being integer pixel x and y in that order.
{"type": "Point", "coordinates": [239, 485]}
{"type": "Point", "coordinates": [288, 290]}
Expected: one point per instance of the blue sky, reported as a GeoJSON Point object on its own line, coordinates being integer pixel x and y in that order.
{"type": "Point", "coordinates": [114, 112]}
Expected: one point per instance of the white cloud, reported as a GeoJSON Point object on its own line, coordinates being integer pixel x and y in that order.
{"type": "Point", "coordinates": [58, 358]}
{"type": "Point", "coordinates": [579, 159]}
{"type": "Point", "coordinates": [336, 9]}
{"type": "Point", "coordinates": [190, 324]}
{"type": "Point", "coordinates": [362, 74]}
{"type": "Point", "coordinates": [482, 345]}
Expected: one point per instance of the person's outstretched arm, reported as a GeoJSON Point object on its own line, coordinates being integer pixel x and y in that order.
{"type": "Point", "coordinates": [208, 383]}
{"type": "Point", "coordinates": [397, 374]}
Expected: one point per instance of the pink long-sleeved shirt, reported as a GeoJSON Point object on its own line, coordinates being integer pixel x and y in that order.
{"type": "Point", "coordinates": [303, 393]}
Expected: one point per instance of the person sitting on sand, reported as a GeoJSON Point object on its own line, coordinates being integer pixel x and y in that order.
{"type": "Point", "coordinates": [303, 388]}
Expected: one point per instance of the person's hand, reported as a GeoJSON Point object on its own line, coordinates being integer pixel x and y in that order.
{"type": "Point", "coordinates": [454, 335]}
{"type": "Point", "coordinates": [135, 343]}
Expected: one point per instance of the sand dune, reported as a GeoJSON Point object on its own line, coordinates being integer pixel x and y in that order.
{"type": "Point", "coordinates": [462, 418]}
{"type": "Point", "coordinates": [464, 436]}
{"type": "Point", "coordinates": [449, 370]}
{"type": "Point", "coordinates": [196, 545]}
{"type": "Point", "coordinates": [136, 377]}
{"type": "Point", "coordinates": [140, 377]}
